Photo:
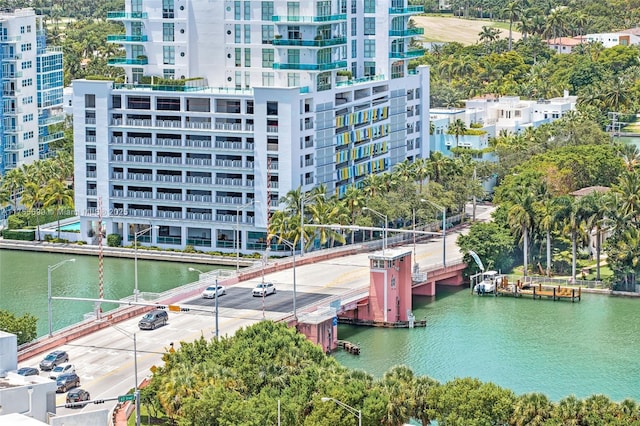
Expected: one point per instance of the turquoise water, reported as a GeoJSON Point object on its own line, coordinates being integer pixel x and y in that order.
{"type": "Point", "coordinates": [557, 348]}
{"type": "Point", "coordinates": [24, 282]}
{"type": "Point", "coordinates": [75, 226]}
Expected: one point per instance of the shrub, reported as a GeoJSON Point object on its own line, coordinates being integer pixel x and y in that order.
{"type": "Point", "coordinates": [22, 235]}
{"type": "Point", "coordinates": [189, 249]}
{"type": "Point", "coordinates": [114, 240]}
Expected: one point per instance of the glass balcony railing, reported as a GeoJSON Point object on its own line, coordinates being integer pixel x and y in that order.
{"type": "Point", "coordinates": [310, 19]}
{"type": "Point", "coordinates": [409, 32]}
{"type": "Point", "coordinates": [128, 61]}
{"type": "Point", "coordinates": [310, 67]}
{"type": "Point", "coordinates": [406, 10]}
{"type": "Point", "coordinates": [121, 15]}
{"type": "Point", "coordinates": [309, 43]}
{"type": "Point", "coordinates": [122, 38]}
{"type": "Point", "coordinates": [414, 53]}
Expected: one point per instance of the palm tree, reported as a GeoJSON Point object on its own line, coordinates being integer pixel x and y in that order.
{"type": "Point", "coordinates": [12, 182]}
{"type": "Point", "coordinates": [513, 9]}
{"type": "Point", "coordinates": [354, 199]}
{"type": "Point", "coordinates": [573, 225]}
{"type": "Point", "coordinates": [420, 170]}
{"type": "Point", "coordinates": [57, 195]}
{"type": "Point", "coordinates": [520, 218]}
{"type": "Point", "coordinates": [595, 213]}
{"type": "Point", "coordinates": [423, 410]}
{"type": "Point", "coordinates": [398, 384]}
{"type": "Point", "coordinates": [531, 409]}
{"type": "Point", "coordinates": [32, 196]}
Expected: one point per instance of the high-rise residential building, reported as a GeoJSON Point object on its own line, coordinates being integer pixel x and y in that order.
{"type": "Point", "coordinates": [32, 82]}
{"type": "Point", "coordinates": [228, 105]}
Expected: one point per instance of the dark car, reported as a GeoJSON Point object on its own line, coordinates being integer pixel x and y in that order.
{"type": "Point", "coordinates": [28, 371]}
{"type": "Point", "coordinates": [67, 381]}
{"type": "Point", "coordinates": [76, 396]}
{"type": "Point", "coordinates": [54, 358]}
{"type": "Point", "coordinates": [153, 319]}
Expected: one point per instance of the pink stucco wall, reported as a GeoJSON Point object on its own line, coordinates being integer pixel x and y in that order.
{"type": "Point", "coordinates": [394, 275]}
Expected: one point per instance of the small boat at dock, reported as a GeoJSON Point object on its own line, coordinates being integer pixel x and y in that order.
{"type": "Point", "coordinates": [490, 282]}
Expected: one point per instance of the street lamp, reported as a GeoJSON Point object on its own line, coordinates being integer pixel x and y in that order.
{"type": "Point", "coordinates": [357, 413]}
{"type": "Point", "coordinates": [135, 262]}
{"type": "Point", "coordinates": [237, 242]}
{"type": "Point", "coordinates": [135, 371]}
{"type": "Point", "coordinates": [303, 198]}
{"type": "Point", "coordinates": [215, 297]}
{"type": "Point", "coordinates": [444, 229]}
{"type": "Point", "coordinates": [292, 246]}
{"type": "Point", "coordinates": [386, 225]}
{"type": "Point", "coordinates": [50, 269]}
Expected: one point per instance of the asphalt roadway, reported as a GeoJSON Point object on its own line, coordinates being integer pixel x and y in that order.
{"type": "Point", "coordinates": [104, 360]}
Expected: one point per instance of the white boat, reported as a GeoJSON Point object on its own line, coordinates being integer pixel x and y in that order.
{"type": "Point", "coordinates": [489, 283]}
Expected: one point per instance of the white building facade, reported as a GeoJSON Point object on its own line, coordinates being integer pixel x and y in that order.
{"type": "Point", "coordinates": [32, 81]}
{"type": "Point", "coordinates": [271, 96]}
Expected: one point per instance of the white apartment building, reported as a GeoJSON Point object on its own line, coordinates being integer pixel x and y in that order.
{"type": "Point", "coordinates": [31, 78]}
{"type": "Point", "coordinates": [271, 96]}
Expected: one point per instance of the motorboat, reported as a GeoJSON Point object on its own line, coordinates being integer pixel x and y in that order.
{"type": "Point", "coordinates": [489, 283]}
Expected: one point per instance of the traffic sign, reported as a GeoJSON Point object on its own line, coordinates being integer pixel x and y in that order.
{"type": "Point", "coordinates": [127, 397]}
{"type": "Point", "coordinates": [174, 308]}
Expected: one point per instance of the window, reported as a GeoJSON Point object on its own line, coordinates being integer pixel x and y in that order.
{"type": "Point", "coordinates": [293, 8]}
{"type": "Point", "coordinates": [167, 31]}
{"type": "Point", "coordinates": [116, 102]}
{"type": "Point", "coordinates": [354, 6]}
{"type": "Point", "coordinates": [369, 26]}
{"type": "Point", "coordinates": [293, 56]}
{"type": "Point", "coordinates": [167, 9]}
{"type": "Point", "coordinates": [247, 57]}
{"type": "Point", "coordinates": [27, 65]}
{"type": "Point", "coordinates": [169, 74]}
{"type": "Point", "coordinates": [377, 263]}
{"type": "Point", "coordinates": [268, 79]}
{"type": "Point", "coordinates": [238, 57]}
{"type": "Point", "coordinates": [247, 33]}
{"type": "Point", "coordinates": [139, 102]}
{"type": "Point", "coordinates": [28, 152]}
{"type": "Point", "coordinates": [168, 104]}
{"type": "Point", "coordinates": [27, 82]}
{"type": "Point", "coordinates": [267, 34]}
{"type": "Point", "coordinates": [247, 10]}
{"type": "Point", "coordinates": [354, 27]}
{"type": "Point", "coordinates": [25, 47]}
{"type": "Point", "coordinates": [22, 29]}
{"type": "Point", "coordinates": [293, 79]}
{"type": "Point", "coordinates": [369, 6]}
{"type": "Point", "coordinates": [354, 48]}
{"type": "Point", "coordinates": [323, 8]}
{"type": "Point", "coordinates": [236, 10]}
{"type": "Point", "coordinates": [267, 58]}
{"type": "Point", "coordinates": [28, 28]}
{"type": "Point", "coordinates": [267, 10]}
{"type": "Point", "coordinates": [27, 100]}
{"type": "Point", "coordinates": [369, 48]}
{"type": "Point", "coordinates": [90, 100]}
{"type": "Point", "coordinates": [27, 118]}
{"type": "Point", "coordinates": [237, 33]}
{"type": "Point", "coordinates": [369, 68]}
{"type": "Point", "coordinates": [272, 108]}
{"type": "Point", "coordinates": [168, 55]}
{"type": "Point", "coordinates": [27, 135]}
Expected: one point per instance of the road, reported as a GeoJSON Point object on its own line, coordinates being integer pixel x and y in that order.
{"type": "Point", "coordinates": [104, 360]}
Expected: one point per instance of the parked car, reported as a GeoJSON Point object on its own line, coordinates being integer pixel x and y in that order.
{"type": "Point", "coordinates": [67, 381]}
{"type": "Point", "coordinates": [61, 369]}
{"type": "Point", "coordinates": [28, 371]}
{"type": "Point", "coordinates": [210, 292]}
{"type": "Point", "coordinates": [54, 358]}
{"type": "Point", "coordinates": [76, 396]}
{"type": "Point", "coordinates": [153, 319]}
{"type": "Point", "coordinates": [264, 289]}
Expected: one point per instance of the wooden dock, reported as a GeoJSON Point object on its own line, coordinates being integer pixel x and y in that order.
{"type": "Point", "coordinates": [539, 291]}
{"type": "Point", "coordinates": [371, 323]}
{"type": "Point", "coordinates": [349, 347]}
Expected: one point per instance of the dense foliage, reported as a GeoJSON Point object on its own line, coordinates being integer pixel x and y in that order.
{"type": "Point", "coordinates": [240, 379]}
{"type": "Point", "coordinates": [24, 327]}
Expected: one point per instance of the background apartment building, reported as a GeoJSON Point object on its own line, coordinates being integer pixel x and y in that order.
{"type": "Point", "coordinates": [277, 95]}
{"type": "Point", "coordinates": [32, 81]}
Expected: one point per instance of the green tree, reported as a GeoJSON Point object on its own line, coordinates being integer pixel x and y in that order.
{"type": "Point", "coordinates": [493, 244]}
{"type": "Point", "coordinates": [23, 327]}
{"type": "Point", "coordinates": [57, 195]}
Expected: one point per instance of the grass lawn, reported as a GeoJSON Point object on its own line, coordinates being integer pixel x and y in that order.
{"type": "Point", "coordinates": [146, 420]}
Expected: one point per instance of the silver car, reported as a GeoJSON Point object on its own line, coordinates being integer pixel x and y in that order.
{"type": "Point", "coordinates": [210, 292]}
{"type": "Point", "coordinates": [264, 289]}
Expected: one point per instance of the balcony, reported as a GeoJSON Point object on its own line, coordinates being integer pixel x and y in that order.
{"type": "Point", "coordinates": [310, 67]}
{"type": "Point", "coordinates": [124, 16]}
{"type": "Point", "coordinates": [12, 75]}
{"type": "Point", "coordinates": [309, 43]}
{"type": "Point", "coordinates": [199, 198]}
{"type": "Point", "coordinates": [409, 32]}
{"type": "Point", "coordinates": [311, 19]}
{"type": "Point", "coordinates": [122, 38]}
{"type": "Point", "coordinates": [412, 53]}
{"type": "Point", "coordinates": [411, 10]}
{"type": "Point", "coordinates": [50, 138]}
{"type": "Point", "coordinates": [128, 61]}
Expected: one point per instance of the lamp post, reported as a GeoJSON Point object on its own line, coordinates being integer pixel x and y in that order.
{"type": "Point", "coordinates": [50, 269]}
{"type": "Point", "coordinates": [357, 413]}
{"type": "Point", "coordinates": [292, 246]}
{"type": "Point", "coordinates": [386, 225]}
{"type": "Point", "coordinates": [303, 198]}
{"type": "Point", "coordinates": [237, 242]}
{"type": "Point", "coordinates": [135, 261]}
{"type": "Point", "coordinates": [215, 297]}
{"type": "Point", "coordinates": [135, 371]}
{"type": "Point", "coordinates": [444, 229]}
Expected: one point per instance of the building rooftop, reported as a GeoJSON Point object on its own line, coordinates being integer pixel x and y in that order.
{"type": "Point", "coordinates": [15, 380]}
{"type": "Point", "coordinates": [16, 419]}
